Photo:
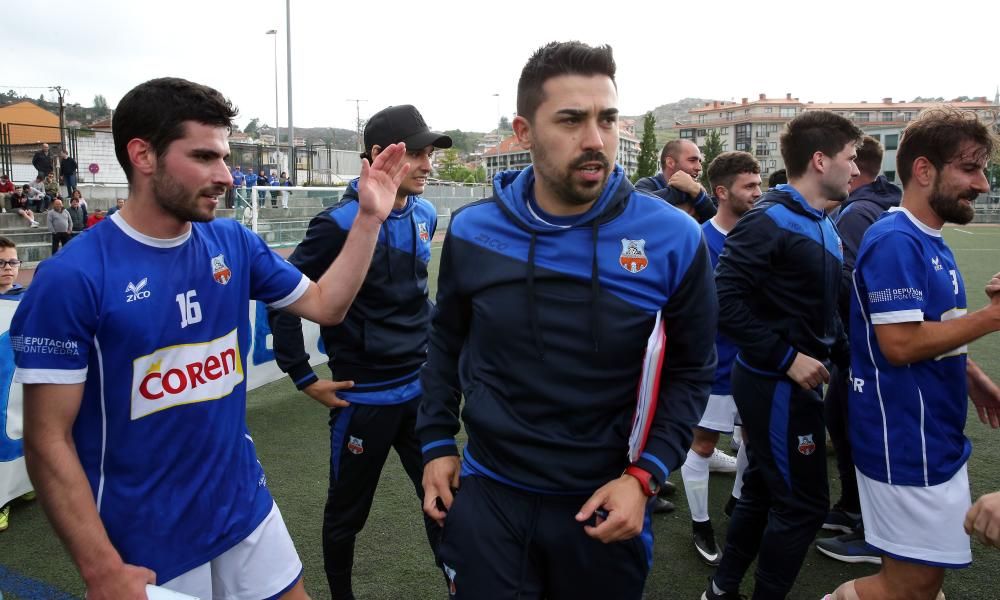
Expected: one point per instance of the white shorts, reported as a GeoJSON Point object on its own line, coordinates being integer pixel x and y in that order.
{"type": "Point", "coordinates": [918, 524]}
{"type": "Point", "coordinates": [720, 414]}
{"type": "Point", "coordinates": [263, 565]}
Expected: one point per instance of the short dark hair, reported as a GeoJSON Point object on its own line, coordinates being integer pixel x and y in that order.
{"type": "Point", "coordinates": [870, 155]}
{"type": "Point", "coordinates": [937, 134]}
{"type": "Point", "coordinates": [6, 242]}
{"type": "Point", "coordinates": [815, 131]}
{"type": "Point", "coordinates": [777, 178]}
{"type": "Point", "coordinates": [671, 149]}
{"type": "Point", "coordinates": [728, 165]}
{"type": "Point", "coordinates": [157, 110]}
{"type": "Point", "coordinates": [555, 59]}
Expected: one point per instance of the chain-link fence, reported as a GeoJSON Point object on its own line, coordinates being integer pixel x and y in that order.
{"type": "Point", "coordinates": [19, 142]}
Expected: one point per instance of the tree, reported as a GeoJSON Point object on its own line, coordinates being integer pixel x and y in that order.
{"type": "Point", "coordinates": [647, 149]}
{"type": "Point", "coordinates": [252, 126]}
{"type": "Point", "coordinates": [711, 149]}
{"type": "Point", "coordinates": [504, 125]}
{"type": "Point", "coordinates": [100, 104]}
{"type": "Point", "coordinates": [450, 167]}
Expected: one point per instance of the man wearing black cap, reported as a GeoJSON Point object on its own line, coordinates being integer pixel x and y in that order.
{"type": "Point", "coordinates": [376, 353]}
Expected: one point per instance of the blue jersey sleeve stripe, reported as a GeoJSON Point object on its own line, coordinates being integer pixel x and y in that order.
{"type": "Point", "coordinates": [307, 377]}
{"type": "Point", "coordinates": [657, 462]}
{"type": "Point", "coordinates": [438, 444]}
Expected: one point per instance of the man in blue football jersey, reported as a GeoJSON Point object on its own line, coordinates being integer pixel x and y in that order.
{"type": "Point", "coordinates": [135, 406]}
{"type": "Point", "coordinates": [735, 180]}
{"type": "Point", "coordinates": [910, 374]}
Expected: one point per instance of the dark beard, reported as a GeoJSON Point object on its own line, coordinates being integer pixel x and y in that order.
{"type": "Point", "coordinates": [562, 185]}
{"type": "Point", "coordinates": [176, 200]}
{"type": "Point", "coordinates": [950, 209]}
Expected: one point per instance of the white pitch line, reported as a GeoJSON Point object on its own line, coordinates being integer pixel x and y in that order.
{"type": "Point", "coordinates": [963, 231]}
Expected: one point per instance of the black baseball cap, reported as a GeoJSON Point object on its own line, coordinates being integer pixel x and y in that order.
{"type": "Point", "coordinates": [401, 123]}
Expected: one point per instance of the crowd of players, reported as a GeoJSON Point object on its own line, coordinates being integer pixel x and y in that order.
{"type": "Point", "coordinates": [548, 292]}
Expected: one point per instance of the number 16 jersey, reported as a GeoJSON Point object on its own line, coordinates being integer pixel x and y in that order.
{"type": "Point", "coordinates": [158, 331]}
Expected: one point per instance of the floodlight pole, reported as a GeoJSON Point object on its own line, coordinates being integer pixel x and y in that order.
{"type": "Point", "coordinates": [277, 126]}
{"type": "Point", "coordinates": [292, 170]}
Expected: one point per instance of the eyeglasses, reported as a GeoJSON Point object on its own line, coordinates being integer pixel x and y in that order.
{"type": "Point", "coordinates": [13, 264]}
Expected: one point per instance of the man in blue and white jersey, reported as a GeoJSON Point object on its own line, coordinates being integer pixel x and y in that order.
{"type": "Point", "coordinates": [135, 402]}
{"type": "Point", "coordinates": [735, 180]}
{"type": "Point", "coordinates": [910, 375]}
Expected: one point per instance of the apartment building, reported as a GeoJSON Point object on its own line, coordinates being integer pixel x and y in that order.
{"type": "Point", "coordinates": [755, 126]}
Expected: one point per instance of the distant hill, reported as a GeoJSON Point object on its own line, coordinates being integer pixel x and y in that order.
{"type": "Point", "coordinates": [339, 139]}
{"type": "Point", "coordinates": [667, 114]}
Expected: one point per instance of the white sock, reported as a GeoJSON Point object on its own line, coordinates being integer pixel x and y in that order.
{"type": "Point", "coordinates": [742, 460]}
{"type": "Point", "coordinates": [738, 435]}
{"type": "Point", "coordinates": [695, 476]}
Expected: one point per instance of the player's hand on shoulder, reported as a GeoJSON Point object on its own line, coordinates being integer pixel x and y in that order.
{"type": "Point", "coordinates": [325, 391]}
{"type": "Point", "coordinates": [624, 503]}
{"type": "Point", "coordinates": [807, 372]}
{"type": "Point", "coordinates": [380, 180]}
{"type": "Point", "coordinates": [983, 520]}
{"type": "Point", "coordinates": [441, 480]}
{"type": "Point", "coordinates": [124, 582]}
{"type": "Point", "coordinates": [685, 183]}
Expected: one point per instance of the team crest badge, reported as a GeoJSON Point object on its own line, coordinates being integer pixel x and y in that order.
{"type": "Point", "coordinates": [450, 574]}
{"type": "Point", "coordinates": [355, 445]}
{"type": "Point", "coordinates": [425, 236]}
{"type": "Point", "coordinates": [806, 444]}
{"type": "Point", "coordinates": [220, 272]}
{"type": "Point", "coordinates": [633, 258]}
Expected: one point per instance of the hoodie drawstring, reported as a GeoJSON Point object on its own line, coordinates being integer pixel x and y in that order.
{"type": "Point", "coordinates": [595, 289]}
{"type": "Point", "coordinates": [536, 331]}
{"type": "Point", "coordinates": [413, 244]}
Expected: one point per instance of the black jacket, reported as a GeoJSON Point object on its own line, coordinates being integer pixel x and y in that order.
{"type": "Point", "coordinates": [704, 205]}
{"type": "Point", "coordinates": [42, 162]}
{"type": "Point", "coordinates": [383, 338]}
{"type": "Point", "coordinates": [865, 205]}
{"type": "Point", "coordinates": [543, 327]}
{"type": "Point", "coordinates": [778, 280]}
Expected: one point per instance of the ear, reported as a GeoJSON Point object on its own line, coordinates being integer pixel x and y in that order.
{"type": "Point", "coordinates": [924, 173]}
{"type": "Point", "coordinates": [522, 130]}
{"type": "Point", "coordinates": [376, 150]}
{"type": "Point", "coordinates": [818, 161]}
{"type": "Point", "coordinates": [721, 192]}
{"type": "Point", "coordinates": [142, 156]}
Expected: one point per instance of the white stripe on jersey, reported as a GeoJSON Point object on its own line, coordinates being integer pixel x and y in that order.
{"type": "Point", "coordinates": [897, 316]}
{"type": "Point", "coordinates": [104, 421]}
{"type": "Point", "coordinates": [64, 376]}
{"type": "Point", "coordinates": [878, 387]}
{"type": "Point", "coordinates": [923, 438]}
{"type": "Point", "coordinates": [297, 293]}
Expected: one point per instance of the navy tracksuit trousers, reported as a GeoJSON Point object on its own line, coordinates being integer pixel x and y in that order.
{"type": "Point", "coordinates": [785, 492]}
{"type": "Point", "coordinates": [360, 439]}
{"type": "Point", "coordinates": [503, 543]}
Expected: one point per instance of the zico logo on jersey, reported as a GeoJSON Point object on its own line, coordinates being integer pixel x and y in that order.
{"type": "Point", "coordinates": [185, 374]}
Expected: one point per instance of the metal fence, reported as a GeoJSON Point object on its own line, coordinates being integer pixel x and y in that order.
{"type": "Point", "coordinates": [19, 142]}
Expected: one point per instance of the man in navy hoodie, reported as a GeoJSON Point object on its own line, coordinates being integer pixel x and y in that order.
{"type": "Point", "coordinates": [547, 294]}
{"type": "Point", "coordinates": [677, 181]}
{"type": "Point", "coordinates": [779, 279]}
{"type": "Point", "coordinates": [871, 195]}
{"type": "Point", "coordinates": [376, 352]}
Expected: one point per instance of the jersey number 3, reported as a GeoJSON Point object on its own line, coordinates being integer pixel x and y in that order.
{"type": "Point", "coordinates": [190, 309]}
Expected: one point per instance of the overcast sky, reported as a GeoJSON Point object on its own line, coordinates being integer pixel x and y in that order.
{"type": "Point", "coordinates": [449, 57]}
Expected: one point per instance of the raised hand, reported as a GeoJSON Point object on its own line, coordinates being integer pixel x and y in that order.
{"type": "Point", "coordinates": [380, 181]}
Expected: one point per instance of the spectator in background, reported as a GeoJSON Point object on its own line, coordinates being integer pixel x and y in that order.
{"type": "Point", "coordinates": [7, 189]}
{"type": "Point", "coordinates": [250, 180]}
{"type": "Point", "coordinates": [262, 179]}
{"type": "Point", "coordinates": [284, 181]}
{"type": "Point", "coordinates": [777, 178]}
{"type": "Point", "coordinates": [22, 204]}
{"type": "Point", "coordinates": [42, 162]}
{"type": "Point", "coordinates": [68, 170]}
{"type": "Point", "coordinates": [677, 181]}
{"type": "Point", "coordinates": [95, 218]}
{"type": "Point", "coordinates": [83, 201]}
{"type": "Point", "coordinates": [51, 187]}
{"type": "Point", "coordinates": [36, 195]}
{"type": "Point", "coordinates": [60, 224]}
{"type": "Point", "coordinates": [77, 214]}
{"type": "Point", "coordinates": [119, 204]}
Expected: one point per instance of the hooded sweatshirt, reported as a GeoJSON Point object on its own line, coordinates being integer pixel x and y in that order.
{"type": "Point", "coordinates": [864, 206]}
{"type": "Point", "coordinates": [541, 324]}
{"type": "Point", "coordinates": [778, 279]}
{"type": "Point", "coordinates": [382, 341]}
